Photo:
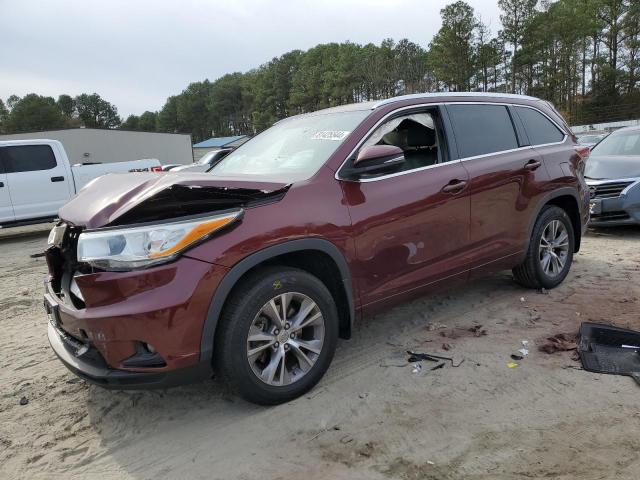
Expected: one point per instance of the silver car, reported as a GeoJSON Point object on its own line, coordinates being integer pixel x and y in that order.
{"type": "Point", "coordinates": [206, 163]}
{"type": "Point", "coordinates": [591, 139]}
{"type": "Point", "coordinates": [613, 176]}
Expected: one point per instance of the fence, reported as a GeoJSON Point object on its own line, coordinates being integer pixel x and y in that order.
{"type": "Point", "coordinates": [604, 127]}
{"type": "Point", "coordinates": [614, 112]}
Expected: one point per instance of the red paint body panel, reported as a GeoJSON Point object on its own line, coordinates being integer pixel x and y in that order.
{"type": "Point", "coordinates": [503, 197]}
{"type": "Point", "coordinates": [310, 209]}
{"type": "Point", "coordinates": [408, 233]}
{"type": "Point", "coordinates": [164, 306]}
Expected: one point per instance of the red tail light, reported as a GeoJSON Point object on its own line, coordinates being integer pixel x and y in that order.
{"type": "Point", "coordinates": [584, 152]}
{"type": "Point", "coordinates": [156, 169]}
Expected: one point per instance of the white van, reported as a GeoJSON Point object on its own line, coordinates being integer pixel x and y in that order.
{"type": "Point", "coordinates": [36, 179]}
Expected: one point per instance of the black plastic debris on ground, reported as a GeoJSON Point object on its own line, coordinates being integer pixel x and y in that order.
{"type": "Point", "coordinates": [417, 357]}
{"type": "Point", "coordinates": [609, 349]}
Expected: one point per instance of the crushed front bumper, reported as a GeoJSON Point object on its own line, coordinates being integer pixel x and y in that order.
{"type": "Point", "coordinates": [89, 365]}
{"type": "Point", "coordinates": [163, 307]}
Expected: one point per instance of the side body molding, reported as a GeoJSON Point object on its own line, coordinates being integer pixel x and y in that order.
{"type": "Point", "coordinates": [243, 266]}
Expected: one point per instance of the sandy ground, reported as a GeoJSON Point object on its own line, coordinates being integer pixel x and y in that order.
{"type": "Point", "coordinates": [370, 417]}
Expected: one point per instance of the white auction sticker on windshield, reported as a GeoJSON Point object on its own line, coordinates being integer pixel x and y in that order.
{"type": "Point", "coordinates": [336, 135]}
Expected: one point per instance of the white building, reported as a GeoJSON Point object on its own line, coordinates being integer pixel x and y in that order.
{"type": "Point", "coordinates": [106, 145]}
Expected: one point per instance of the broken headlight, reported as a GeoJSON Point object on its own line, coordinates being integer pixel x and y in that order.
{"type": "Point", "coordinates": [133, 247]}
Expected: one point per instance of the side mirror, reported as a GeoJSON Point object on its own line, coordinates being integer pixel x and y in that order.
{"type": "Point", "coordinates": [376, 159]}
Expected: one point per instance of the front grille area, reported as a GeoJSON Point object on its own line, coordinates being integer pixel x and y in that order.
{"type": "Point", "coordinates": [609, 190]}
{"type": "Point", "coordinates": [62, 263]}
{"type": "Point", "coordinates": [611, 216]}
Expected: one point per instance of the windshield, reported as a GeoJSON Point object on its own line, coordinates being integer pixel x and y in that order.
{"type": "Point", "coordinates": [293, 149]}
{"type": "Point", "coordinates": [617, 156]}
{"type": "Point", "coordinates": [619, 143]}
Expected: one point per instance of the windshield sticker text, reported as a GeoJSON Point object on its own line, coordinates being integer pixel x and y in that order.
{"type": "Point", "coordinates": [336, 135]}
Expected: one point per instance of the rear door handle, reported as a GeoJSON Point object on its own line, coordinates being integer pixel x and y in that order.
{"type": "Point", "coordinates": [57, 179]}
{"type": "Point", "coordinates": [532, 164]}
{"type": "Point", "coordinates": [454, 186]}
{"type": "Point", "coordinates": [1, 184]}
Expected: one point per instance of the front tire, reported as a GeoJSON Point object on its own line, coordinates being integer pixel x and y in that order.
{"type": "Point", "coordinates": [277, 335]}
{"type": "Point", "coordinates": [550, 251]}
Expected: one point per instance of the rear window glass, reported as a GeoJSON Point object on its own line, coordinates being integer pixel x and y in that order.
{"type": "Point", "coordinates": [28, 158]}
{"type": "Point", "coordinates": [482, 129]}
{"type": "Point", "coordinates": [539, 128]}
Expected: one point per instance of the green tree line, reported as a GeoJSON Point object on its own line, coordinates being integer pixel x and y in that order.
{"type": "Point", "coordinates": [34, 112]}
{"type": "Point", "coordinates": [582, 55]}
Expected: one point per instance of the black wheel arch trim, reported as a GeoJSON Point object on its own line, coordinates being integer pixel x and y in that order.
{"type": "Point", "coordinates": [243, 266]}
{"type": "Point", "coordinates": [560, 192]}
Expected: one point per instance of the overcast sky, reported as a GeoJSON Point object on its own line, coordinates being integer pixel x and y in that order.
{"type": "Point", "coordinates": [135, 53]}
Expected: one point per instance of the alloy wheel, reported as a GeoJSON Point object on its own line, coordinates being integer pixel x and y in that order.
{"type": "Point", "coordinates": [285, 339]}
{"type": "Point", "coordinates": [554, 248]}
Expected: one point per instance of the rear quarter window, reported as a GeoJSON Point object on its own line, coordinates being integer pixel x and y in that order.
{"type": "Point", "coordinates": [539, 128]}
{"type": "Point", "coordinates": [28, 158]}
{"type": "Point", "coordinates": [482, 129]}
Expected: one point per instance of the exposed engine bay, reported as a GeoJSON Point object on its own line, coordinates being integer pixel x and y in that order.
{"type": "Point", "coordinates": [185, 200]}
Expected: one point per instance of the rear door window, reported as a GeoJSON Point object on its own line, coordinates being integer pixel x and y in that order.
{"type": "Point", "coordinates": [28, 158]}
{"type": "Point", "coordinates": [482, 129]}
{"type": "Point", "coordinates": [540, 129]}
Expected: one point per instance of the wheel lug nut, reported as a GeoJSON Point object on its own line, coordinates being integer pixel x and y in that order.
{"type": "Point", "coordinates": [293, 335]}
{"type": "Point", "coordinates": [276, 345]}
{"type": "Point", "coordinates": [286, 346]}
{"type": "Point", "coordinates": [287, 326]}
{"type": "Point", "coordinates": [276, 331]}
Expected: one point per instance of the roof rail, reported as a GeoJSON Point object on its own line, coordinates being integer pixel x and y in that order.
{"type": "Point", "coordinates": [453, 94]}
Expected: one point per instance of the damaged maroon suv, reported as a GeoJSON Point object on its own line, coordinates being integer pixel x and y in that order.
{"type": "Point", "coordinates": [254, 270]}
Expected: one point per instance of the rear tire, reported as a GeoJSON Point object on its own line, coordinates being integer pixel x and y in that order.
{"type": "Point", "coordinates": [268, 356]}
{"type": "Point", "coordinates": [550, 251]}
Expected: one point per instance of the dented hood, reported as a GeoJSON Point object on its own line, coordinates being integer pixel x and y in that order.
{"type": "Point", "coordinates": [121, 199]}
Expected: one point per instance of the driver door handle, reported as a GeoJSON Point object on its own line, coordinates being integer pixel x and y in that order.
{"type": "Point", "coordinates": [454, 186]}
{"type": "Point", "coordinates": [532, 164]}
